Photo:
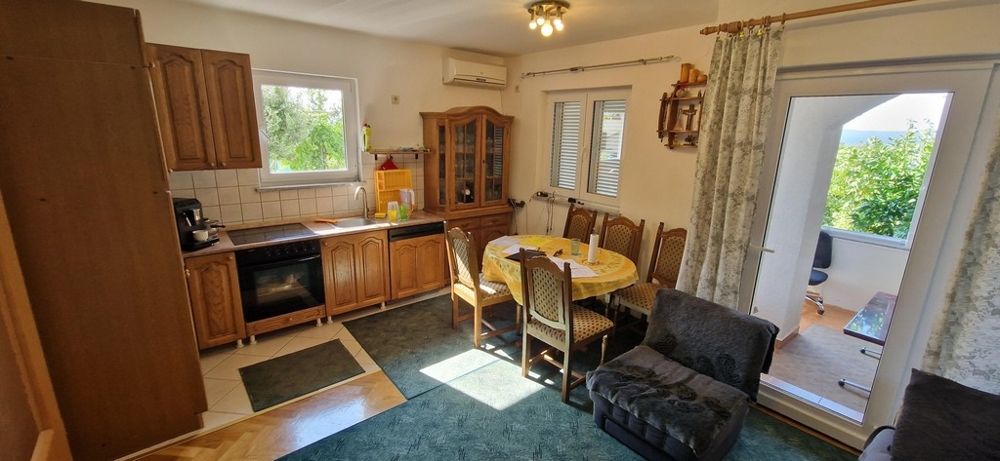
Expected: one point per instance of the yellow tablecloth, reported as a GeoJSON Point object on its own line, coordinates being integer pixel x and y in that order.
{"type": "Point", "coordinates": [613, 270]}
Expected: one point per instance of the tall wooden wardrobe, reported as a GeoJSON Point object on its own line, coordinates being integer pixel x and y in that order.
{"type": "Point", "coordinates": [85, 187]}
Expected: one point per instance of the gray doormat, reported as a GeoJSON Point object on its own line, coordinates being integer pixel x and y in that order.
{"type": "Point", "coordinates": [299, 373]}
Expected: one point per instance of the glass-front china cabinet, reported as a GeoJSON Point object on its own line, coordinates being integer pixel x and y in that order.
{"type": "Point", "coordinates": [465, 175]}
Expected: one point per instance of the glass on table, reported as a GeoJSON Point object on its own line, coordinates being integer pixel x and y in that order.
{"type": "Point", "coordinates": [574, 247]}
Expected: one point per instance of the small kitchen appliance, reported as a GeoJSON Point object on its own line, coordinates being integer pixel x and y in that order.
{"type": "Point", "coordinates": [187, 212]}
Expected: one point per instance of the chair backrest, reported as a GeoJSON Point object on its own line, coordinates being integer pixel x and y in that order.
{"type": "Point", "coordinates": [548, 292]}
{"type": "Point", "coordinates": [716, 341]}
{"type": "Point", "coordinates": [824, 251]}
{"type": "Point", "coordinates": [668, 251]}
{"type": "Point", "coordinates": [622, 236]}
{"type": "Point", "coordinates": [579, 223]}
{"type": "Point", "coordinates": [463, 258]}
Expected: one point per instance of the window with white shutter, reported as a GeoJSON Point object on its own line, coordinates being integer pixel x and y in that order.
{"type": "Point", "coordinates": [588, 132]}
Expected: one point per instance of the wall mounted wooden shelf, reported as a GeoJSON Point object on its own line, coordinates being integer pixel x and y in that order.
{"type": "Point", "coordinates": [680, 115]}
{"type": "Point", "coordinates": [391, 152]}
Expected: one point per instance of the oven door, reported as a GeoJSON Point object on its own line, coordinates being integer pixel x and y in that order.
{"type": "Point", "coordinates": [277, 288]}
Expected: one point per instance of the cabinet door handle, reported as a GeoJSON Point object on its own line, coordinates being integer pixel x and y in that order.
{"type": "Point", "coordinates": [223, 164]}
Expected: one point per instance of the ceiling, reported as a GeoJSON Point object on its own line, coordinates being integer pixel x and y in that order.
{"type": "Point", "coordinates": [495, 27]}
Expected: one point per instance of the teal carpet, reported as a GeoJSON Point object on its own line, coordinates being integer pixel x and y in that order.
{"type": "Point", "coordinates": [468, 404]}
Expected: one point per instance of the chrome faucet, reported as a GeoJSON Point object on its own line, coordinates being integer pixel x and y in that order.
{"type": "Point", "coordinates": [364, 199]}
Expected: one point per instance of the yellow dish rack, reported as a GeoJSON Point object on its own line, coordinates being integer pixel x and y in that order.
{"type": "Point", "coordinates": [387, 186]}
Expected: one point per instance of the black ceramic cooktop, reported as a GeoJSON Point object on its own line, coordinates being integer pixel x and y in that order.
{"type": "Point", "coordinates": [269, 234]}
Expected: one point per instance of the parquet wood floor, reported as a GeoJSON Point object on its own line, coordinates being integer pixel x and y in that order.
{"type": "Point", "coordinates": [281, 430]}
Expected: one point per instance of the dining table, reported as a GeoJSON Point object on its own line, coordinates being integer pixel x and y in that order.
{"type": "Point", "coordinates": [610, 272]}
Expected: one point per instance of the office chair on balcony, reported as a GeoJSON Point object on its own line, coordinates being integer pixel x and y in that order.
{"type": "Point", "coordinates": [821, 260]}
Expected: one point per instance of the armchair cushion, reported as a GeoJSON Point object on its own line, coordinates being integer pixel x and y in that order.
{"type": "Point", "coordinates": [713, 340]}
{"type": "Point", "coordinates": [674, 399]}
{"type": "Point", "coordinates": [942, 419]}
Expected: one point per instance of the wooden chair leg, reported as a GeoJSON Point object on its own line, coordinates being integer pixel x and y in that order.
{"type": "Point", "coordinates": [454, 311]}
{"type": "Point", "coordinates": [525, 352]}
{"type": "Point", "coordinates": [604, 349]}
{"type": "Point", "coordinates": [567, 373]}
{"type": "Point", "coordinates": [477, 327]}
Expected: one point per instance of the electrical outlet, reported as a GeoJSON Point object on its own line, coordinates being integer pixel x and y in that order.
{"type": "Point", "coordinates": [394, 99]}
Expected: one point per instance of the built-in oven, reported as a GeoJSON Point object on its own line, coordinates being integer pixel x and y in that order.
{"type": "Point", "coordinates": [280, 279]}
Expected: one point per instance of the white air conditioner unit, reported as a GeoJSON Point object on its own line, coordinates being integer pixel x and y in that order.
{"type": "Point", "coordinates": [467, 73]}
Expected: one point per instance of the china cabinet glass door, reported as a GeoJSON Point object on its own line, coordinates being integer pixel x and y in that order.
{"type": "Point", "coordinates": [464, 175]}
{"type": "Point", "coordinates": [493, 164]}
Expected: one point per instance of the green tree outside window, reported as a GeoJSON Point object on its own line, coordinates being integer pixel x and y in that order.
{"type": "Point", "coordinates": [876, 185]}
{"type": "Point", "coordinates": [305, 129]}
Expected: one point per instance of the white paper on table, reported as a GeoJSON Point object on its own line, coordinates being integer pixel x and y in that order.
{"type": "Point", "coordinates": [515, 248]}
{"type": "Point", "coordinates": [505, 240]}
{"type": "Point", "coordinates": [578, 270]}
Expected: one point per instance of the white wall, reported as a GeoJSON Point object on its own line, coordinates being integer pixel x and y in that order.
{"type": "Point", "coordinates": [859, 270]}
{"type": "Point", "coordinates": [656, 183]}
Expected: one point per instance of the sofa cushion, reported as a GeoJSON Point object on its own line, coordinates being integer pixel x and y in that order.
{"type": "Point", "coordinates": [678, 401]}
{"type": "Point", "coordinates": [942, 419]}
{"type": "Point", "coordinates": [711, 339]}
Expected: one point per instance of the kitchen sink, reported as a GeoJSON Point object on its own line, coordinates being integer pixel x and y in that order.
{"type": "Point", "coordinates": [355, 222]}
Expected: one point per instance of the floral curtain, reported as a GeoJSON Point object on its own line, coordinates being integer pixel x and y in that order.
{"type": "Point", "coordinates": [730, 152]}
{"type": "Point", "coordinates": [965, 342]}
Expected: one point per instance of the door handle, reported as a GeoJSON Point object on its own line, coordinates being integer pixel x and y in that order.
{"type": "Point", "coordinates": [760, 248]}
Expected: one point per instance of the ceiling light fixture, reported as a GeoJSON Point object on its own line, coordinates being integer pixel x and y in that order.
{"type": "Point", "coordinates": [547, 15]}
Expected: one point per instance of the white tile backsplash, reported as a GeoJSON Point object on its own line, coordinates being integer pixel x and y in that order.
{"type": "Point", "coordinates": [226, 178]}
{"type": "Point", "coordinates": [289, 208]}
{"type": "Point", "coordinates": [271, 210]}
{"type": "Point", "coordinates": [232, 197]}
{"type": "Point", "coordinates": [181, 180]}
{"type": "Point", "coordinates": [203, 179]}
{"type": "Point", "coordinates": [229, 195]}
{"type": "Point", "coordinates": [248, 177]}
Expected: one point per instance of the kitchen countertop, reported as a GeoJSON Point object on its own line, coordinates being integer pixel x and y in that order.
{"type": "Point", "coordinates": [322, 230]}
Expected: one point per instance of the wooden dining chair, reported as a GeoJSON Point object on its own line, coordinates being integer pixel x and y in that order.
{"type": "Point", "coordinates": [469, 285]}
{"type": "Point", "coordinates": [664, 267]}
{"type": "Point", "coordinates": [549, 313]}
{"type": "Point", "coordinates": [622, 236]}
{"type": "Point", "coordinates": [579, 223]}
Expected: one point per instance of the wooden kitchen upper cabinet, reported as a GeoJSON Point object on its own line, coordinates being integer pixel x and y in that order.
{"type": "Point", "coordinates": [355, 271]}
{"type": "Point", "coordinates": [205, 108]}
{"type": "Point", "coordinates": [214, 289]}
{"type": "Point", "coordinates": [418, 265]}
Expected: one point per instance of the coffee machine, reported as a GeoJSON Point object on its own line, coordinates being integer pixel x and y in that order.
{"type": "Point", "coordinates": [187, 212]}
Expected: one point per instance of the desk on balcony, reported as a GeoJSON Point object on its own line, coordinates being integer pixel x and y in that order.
{"type": "Point", "coordinates": [871, 323]}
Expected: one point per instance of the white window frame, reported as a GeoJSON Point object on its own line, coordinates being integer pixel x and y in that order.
{"type": "Point", "coordinates": [584, 155]}
{"type": "Point", "coordinates": [352, 129]}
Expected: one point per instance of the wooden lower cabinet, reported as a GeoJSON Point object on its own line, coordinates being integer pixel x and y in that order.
{"type": "Point", "coordinates": [213, 286]}
{"type": "Point", "coordinates": [418, 265]}
{"type": "Point", "coordinates": [483, 229]}
{"type": "Point", "coordinates": [355, 271]}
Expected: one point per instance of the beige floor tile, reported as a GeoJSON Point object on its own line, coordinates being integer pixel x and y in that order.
{"type": "Point", "coordinates": [299, 343]}
{"type": "Point", "coordinates": [326, 331]}
{"type": "Point", "coordinates": [236, 401]}
{"type": "Point", "coordinates": [212, 357]}
{"type": "Point", "coordinates": [351, 345]}
{"type": "Point", "coordinates": [214, 419]}
{"type": "Point", "coordinates": [266, 345]}
{"type": "Point", "coordinates": [216, 389]}
{"type": "Point", "coordinates": [230, 367]}
{"type": "Point", "coordinates": [366, 361]}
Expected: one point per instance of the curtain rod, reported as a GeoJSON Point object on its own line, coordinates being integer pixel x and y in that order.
{"type": "Point", "coordinates": [600, 66]}
{"type": "Point", "coordinates": [737, 26]}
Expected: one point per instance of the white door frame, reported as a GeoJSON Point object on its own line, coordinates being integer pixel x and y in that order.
{"type": "Point", "coordinates": [945, 216]}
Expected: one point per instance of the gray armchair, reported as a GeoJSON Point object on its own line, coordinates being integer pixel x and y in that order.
{"type": "Point", "coordinates": [683, 394]}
